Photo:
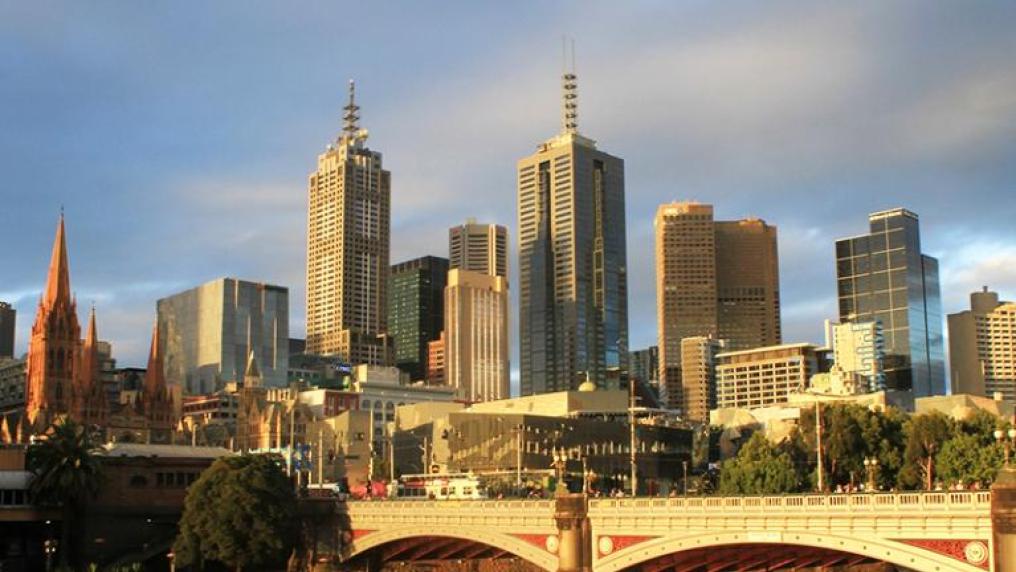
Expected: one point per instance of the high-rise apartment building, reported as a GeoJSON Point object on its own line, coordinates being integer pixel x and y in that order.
{"type": "Point", "coordinates": [698, 376]}
{"type": "Point", "coordinates": [348, 233]}
{"type": "Point", "coordinates": [645, 366]}
{"type": "Point", "coordinates": [436, 363]}
{"type": "Point", "coordinates": [714, 279]}
{"type": "Point", "coordinates": [882, 276]}
{"type": "Point", "coordinates": [476, 335]}
{"type": "Point", "coordinates": [7, 318]}
{"type": "Point", "coordinates": [982, 347]}
{"type": "Point", "coordinates": [858, 349]}
{"type": "Point", "coordinates": [416, 310]}
{"type": "Point", "coordinates": [479, 247]}
{"type": "Point", "coordinates": [762, 377]}
{"type": "Point", "coordinates": [208, 332]}
{"type": "Point", "coordinates": [573, 285]}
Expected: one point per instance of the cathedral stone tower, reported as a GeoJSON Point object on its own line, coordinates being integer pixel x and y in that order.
{"type": "Point", "coordinates": [53, 352]}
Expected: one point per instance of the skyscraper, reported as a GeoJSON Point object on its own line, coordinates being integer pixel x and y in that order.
{"type": "Point", "coordinates": [416, 310]}
{"type": "Point", "coordinates": [479, 247]}
{"type": "Point", "coordinates": [714, 279]}
{"type": "Point", "coordinates": [573, 287]}
{"type": "Point", "coordinates": [982, 347]}
{"type": "Point", "coordinates": [208, 332]}
{"type": "Point", "coordinates": [882, 276]}
{"type": "Point", "coordinates": [348, 233]}
{"type": "Point", "coordinates": [7, 318]}
{"type": "Point", "coordinates": [698, 376]}
{"type": "Point", "coordinates": [476, 335]}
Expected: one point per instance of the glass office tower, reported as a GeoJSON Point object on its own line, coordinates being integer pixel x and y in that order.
{"type": "Point", "coordinates": [883, 276]}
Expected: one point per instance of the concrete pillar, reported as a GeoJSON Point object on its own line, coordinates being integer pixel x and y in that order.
{"type": "Point", "coordinates": [574, 552]}
{"type": "Point", "coordinates": [1003, 520]}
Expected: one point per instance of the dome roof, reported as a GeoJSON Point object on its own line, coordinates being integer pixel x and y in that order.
{"type": "Point", "coordinates": [587, 385]}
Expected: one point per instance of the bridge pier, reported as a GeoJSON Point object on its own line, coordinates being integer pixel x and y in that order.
{"type": "Point", "coordinates": [574, 552]}
{"type": "Point", "coordinates": [1003, 520]}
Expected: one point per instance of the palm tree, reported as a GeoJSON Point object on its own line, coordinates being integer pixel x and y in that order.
{"type": "Point", "coordinates": [65, 471]}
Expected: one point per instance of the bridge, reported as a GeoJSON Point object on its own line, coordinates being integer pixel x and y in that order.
{"type": "Point", "coordinates": [925, 532]}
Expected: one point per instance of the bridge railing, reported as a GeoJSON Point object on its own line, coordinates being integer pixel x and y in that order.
{"type": "Point", "coordinates": [450, 505]}
{"type": "Point", "coordinates": [872, 502]}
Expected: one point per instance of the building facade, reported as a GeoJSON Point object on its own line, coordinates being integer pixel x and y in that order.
{"type": "Point", "coordinates": [416, 310]}
{"type": "Point", "coordinates": [8, 317]}
{"type": "Point", "coordinates": [982, 347]}
{"type": "Point", "coordinates": [573, 285]}
{"type": "Point", "coordinates": [883, 276]}
{"type": "Point", "coordinates": [645, 367]}
{"type": "Point", "coordinates": [859, 349]}
{"type": "Point", "coordinates": [479, 247]}
{"type": "Point", "coordinates": [208, 332]}
{"type": "Point", "coordinates": [714, 279]}
{"type": "Point", "coordinates": [348, 235]}
{"type": "Point", "coordinates": [763, 377]}
{"type": "Point", "coordinates": [698, 376]}
{"type": "Point", "coordinates": [476, 335]}
{"type": "Point", "coordinates": [437, 362]}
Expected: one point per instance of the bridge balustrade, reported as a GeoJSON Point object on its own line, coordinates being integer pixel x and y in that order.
{"type": "Point", "coordinates": [893, 502]}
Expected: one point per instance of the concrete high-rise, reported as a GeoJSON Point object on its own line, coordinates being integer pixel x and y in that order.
{"type": "Point", "coordinates": [7, 318]}
{"type": "Point", "coordinates": [476, 335]}
{"type": "Point", "coordinates": [479, 247]}
{"type": "Point", "coordinates": [348, 233]}
{"type": "Point", "coordinates": [714, 279]}
{"type": "Point", "coordinates": [207, 333]}
{"type": "Point", "coordinates": [982, 347]}
{"type": "Point", "coordinates": [416, 310]}
{"type": "Point", "coordinates": [573, 285]}
{"type": "Point", "coordinates": [883, 276]}
{"type": "Point", "coordinates": [698, 376]}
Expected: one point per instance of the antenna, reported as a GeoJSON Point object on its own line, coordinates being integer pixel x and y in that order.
{"type": "Point", "coordinates": [569, 91]}
{"type": "Point", "coordinates": [352, 113]}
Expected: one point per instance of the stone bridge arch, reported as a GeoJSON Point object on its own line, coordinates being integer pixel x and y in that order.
{"type": "Point", "coordinates": [510, 544]}
{"type": "Point", "coordinates": [966, 556]}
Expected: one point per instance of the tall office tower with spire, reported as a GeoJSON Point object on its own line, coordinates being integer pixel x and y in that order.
{"type": "Point", "coordinates": [573, 285]}
{"type": "Point", "coordinates": [479, 247]}
{"type": "Point", "coordinates": [714, 279]}
{"type": "Point", "coordinates": [348, 234]}
{"type": "Point", "coordinates": [883, 276]}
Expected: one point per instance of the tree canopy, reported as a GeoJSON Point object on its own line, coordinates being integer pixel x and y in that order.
{"type": "Point", "coordinates": [759, 468]}
{"type": "Point", "coordinates": [241, 512]}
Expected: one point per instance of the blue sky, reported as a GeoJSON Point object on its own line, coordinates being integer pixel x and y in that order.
{"type": "Point", "coordinates": [178, 136]}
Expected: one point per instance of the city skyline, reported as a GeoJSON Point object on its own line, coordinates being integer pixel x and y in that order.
{"type": "Point", "coordinates": [688, 147]}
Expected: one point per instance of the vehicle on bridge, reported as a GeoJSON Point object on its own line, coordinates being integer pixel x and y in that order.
{"type": "Point", "coordinates": [442, 486]}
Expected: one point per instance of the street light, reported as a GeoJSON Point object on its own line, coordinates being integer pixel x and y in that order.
{"type": "Point", "coordinates": [1008, 444]}
{"type": "Point", "coordinates": [560, 461]}
{"type": "Point", "coordinates": [871, 465]}
{"type": "Point", "coordinates": [684, 467]}
{"type": "Point", "coordinates": [172, 561]}
{"type": "Point", "coordinates": [50, 548]}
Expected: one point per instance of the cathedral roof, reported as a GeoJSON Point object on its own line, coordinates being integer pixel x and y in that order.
{"type": "Point", "coordinates": [58, 282]}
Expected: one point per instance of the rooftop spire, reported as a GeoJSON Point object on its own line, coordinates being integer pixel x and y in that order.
{"type": "Point", "coordinates": [58, 283]}
{"type": "Point", "coordinates": [569, 91]}
{"type": "Point", "coordinates": [351, 117]}
{"type": "Point", "coordinates": [91, 337]}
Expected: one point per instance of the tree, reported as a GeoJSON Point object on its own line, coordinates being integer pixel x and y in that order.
{"type": "Point", "coordinates": [65, 472]}
{"type": "Point", "coordinates": [241, 512]}
{"type": "Point", "coordinates": [966, 459]}
{"type": "Point", "coordinates": [759, 468]}
{"type": "Point", "coordinates": [925, 435]}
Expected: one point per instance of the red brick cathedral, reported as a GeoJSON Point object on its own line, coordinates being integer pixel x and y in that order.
{"type": "Point", "coordinates": [62, 373]}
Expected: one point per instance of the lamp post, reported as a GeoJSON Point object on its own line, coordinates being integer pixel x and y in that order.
{"type": "Point", "coordinates": [684, 467]}
{"type": "Point", "coordinates": [172, 561]}
{"type": "Point", "coordinates": [50, 548]}
{"type": "Point", "coordinates": [560, 461]}
{"type": "Point", "coordinates": [871, 465]}
{"type": "Point", "coordinates": [1007, 444]}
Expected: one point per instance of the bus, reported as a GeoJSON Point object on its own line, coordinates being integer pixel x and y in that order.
{"type": "Point", "coordinates": [443, 486]}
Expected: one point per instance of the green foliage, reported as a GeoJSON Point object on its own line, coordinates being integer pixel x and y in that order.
{"type": "Point", "coordinates": [241, 512]}
{"type": "Point", "coordinates": [850, 434]}
{"type": "Point", "coordinates": [64, 467]}
{"type": "Point", "coordinates": [759, 468]}
{"type": "Point", "coordinates": [65, 472]}
{"type": "Point", "coordinates": [965, 459]}
{"type": "Point", "coordinates": [925, 435]}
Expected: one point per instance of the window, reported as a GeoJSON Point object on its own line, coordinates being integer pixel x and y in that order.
{"type": "Point", "coordinates": [138, 482]}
